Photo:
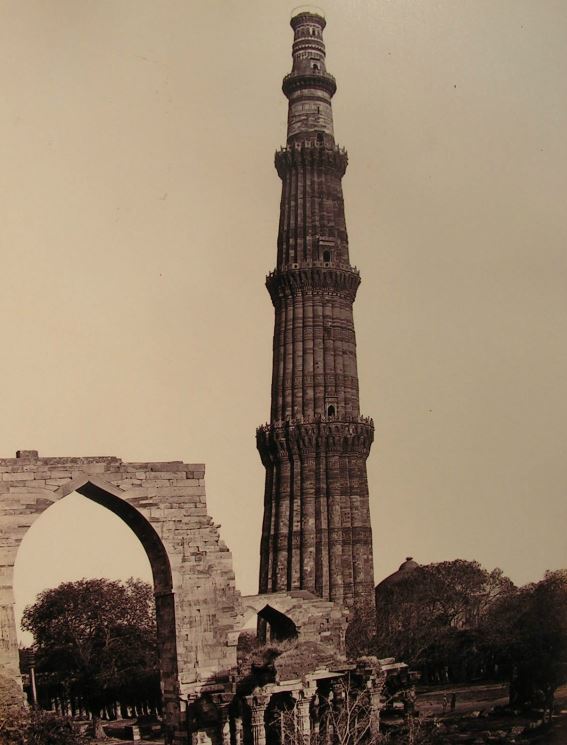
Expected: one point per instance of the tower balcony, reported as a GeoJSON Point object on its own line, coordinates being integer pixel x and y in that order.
{"type": "Point", "coordinates": [317, 419]}
{"type": "Point", "coordinates": [313, 276]}
{"type": "Point", "coordinates": [310, 151]}
{"type": "Point", "coordinates": [296, 81]}
{"type": "Point", "coordinates": [315, 263]}
{"type": "Point", "coordinates": [303, 435]}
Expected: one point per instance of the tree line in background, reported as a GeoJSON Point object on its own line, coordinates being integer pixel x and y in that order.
{"type": "Point", "coordinates": [455, 622]}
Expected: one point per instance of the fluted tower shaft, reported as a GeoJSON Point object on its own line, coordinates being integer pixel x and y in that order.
{"type": "Point", "coordinates": [316, 531]}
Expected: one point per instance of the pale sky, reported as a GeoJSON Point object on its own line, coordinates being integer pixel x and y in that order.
{"type": "Point", "coordinates": [139, 219]}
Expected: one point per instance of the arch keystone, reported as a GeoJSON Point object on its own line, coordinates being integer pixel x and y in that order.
{"type": "Point", "coordinates": [85, 483]}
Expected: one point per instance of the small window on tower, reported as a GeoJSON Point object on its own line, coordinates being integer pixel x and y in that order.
{"type": "Point", "coordinates": [316, 67]}
{"type": "Point", "coordinates": [331, 410]}
{"type": "Point", "coordinates": [326, 256]}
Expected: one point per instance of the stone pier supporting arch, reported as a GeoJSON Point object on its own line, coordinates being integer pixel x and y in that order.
{"type": "Point", "coordinates": [164, 505]}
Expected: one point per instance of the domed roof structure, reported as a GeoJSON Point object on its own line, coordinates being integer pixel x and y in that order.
{"type": "Point", "coordinates": [311, 10]}
{"type": "Point", "coordinates": [392, 579]}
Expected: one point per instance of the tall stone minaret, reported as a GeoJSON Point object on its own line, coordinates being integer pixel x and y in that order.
{"type": "Point", "coordinates": [316, 531]}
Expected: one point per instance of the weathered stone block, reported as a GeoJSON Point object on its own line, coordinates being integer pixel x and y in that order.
{"type": "Point", "coordinates": [15, 476]}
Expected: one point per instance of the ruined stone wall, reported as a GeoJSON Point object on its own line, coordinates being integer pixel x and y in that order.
{"type": "Point", "coordinates": [316, 620]}
{"type": "Point", "coordinates": [165, 506]}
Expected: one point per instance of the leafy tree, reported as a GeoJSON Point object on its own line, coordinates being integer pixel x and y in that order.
{"type": "Point", "coordinates": [430, 617]}
{"type": "Point", "coordinates": [97, 639]}
{"type": "Point", "coordinates": [526, 634]}
{"type": "Point", "coordinates": [455, 620]}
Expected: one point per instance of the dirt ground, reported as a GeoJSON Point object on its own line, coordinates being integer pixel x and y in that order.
{"type": "Point", "coordinates": [116, 741]}
{"type": "Point", "coordinates": [472, 700]}
{"type": "Point", "coordinates": [469, 698]}
{"type": "Point", "coordinates": [117, 728]}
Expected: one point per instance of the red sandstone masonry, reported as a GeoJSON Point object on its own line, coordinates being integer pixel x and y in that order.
{"type": "Point", "coordinates": [316, 529]}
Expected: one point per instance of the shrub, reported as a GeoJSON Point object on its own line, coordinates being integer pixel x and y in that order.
{"type": "Point", "coordinates": [24, 727]}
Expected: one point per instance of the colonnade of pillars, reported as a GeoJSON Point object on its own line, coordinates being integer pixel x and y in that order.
{"type": "Point", "coordinates": [298, 716]}
{"type": "Point", "coordinates": [77, 710]}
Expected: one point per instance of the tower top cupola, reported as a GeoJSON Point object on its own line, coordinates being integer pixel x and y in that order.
{"type": "Point", "coordinates": [309, 87]}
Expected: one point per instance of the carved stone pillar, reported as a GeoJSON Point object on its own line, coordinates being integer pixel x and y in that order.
{"type": "Point", "coordinates": [375, 706]}
{"type": "Point", "coordinates": [375, 688]}
{"type": "Point", "coordinates": [336, 704]}
{"type": "Point", "coordinates": [303, 716]}
{"type": "Point", "coordinates": [338, 690]}
{"type": "Point", "coordinates": [238, 733]}
{"type": "Point", "coordinates": [315, 709]}
{"type": "Point", "coordinates": [224, 723]}
{"type": "Point", "coordinates": [258, 704]}
{"type": "Point", "coordinates": [324, 697]}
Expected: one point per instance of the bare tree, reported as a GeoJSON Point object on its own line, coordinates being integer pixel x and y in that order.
{"type": "Point", "coordinates": [347, 716]}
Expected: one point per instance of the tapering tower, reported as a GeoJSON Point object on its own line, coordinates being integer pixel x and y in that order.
{"type": "Point", "coordinates": [316, 531]}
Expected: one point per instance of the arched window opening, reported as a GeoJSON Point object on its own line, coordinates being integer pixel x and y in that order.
{"type": "Point", "coordinates": [280, 627]}
{"type": "Point", "coordinates": [326, 256]}
{"type": "Point", "coordinates": [331, 410]}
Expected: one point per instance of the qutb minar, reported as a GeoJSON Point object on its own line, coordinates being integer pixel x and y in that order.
{"type": "Point", "coordinates": [316, 532]}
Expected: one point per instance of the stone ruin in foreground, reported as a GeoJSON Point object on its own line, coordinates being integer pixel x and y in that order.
{"type": "Point", "coordinates": [200, 614]}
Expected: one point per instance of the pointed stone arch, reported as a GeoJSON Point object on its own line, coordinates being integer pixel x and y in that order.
{"type": "Point", "coordinates": [300, 613]}
{"type": "Point", "coordinates": [281, 626]}
{"type": "Point", "coordinates": [115, 499]}
{"type": "Point", "coordinates": [164, 505]}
